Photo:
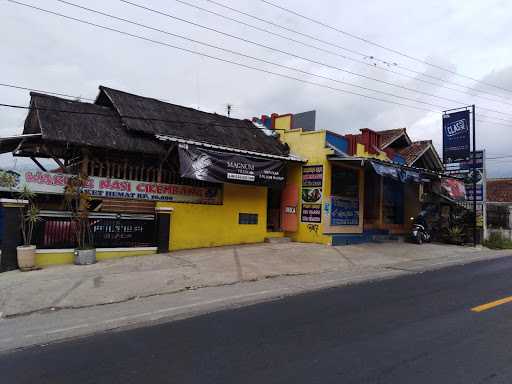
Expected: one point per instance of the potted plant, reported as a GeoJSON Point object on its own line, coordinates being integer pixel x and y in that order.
{"type": "Point", "coordinates": [29, 216]}
{"type": "Point", "coordinates": [78, 203]}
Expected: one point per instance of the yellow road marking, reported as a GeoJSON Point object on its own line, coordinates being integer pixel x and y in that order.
{"type": "Point", "coordinates": [492, 304]}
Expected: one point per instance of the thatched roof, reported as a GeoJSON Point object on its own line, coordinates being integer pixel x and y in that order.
{"type": "Point", "coordinates": [160, 118]}
{"type": "Point", "coordinates": [84, 124]}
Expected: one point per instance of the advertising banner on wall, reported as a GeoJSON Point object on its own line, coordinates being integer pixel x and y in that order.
{"type": "Point", "coordinates": [311, 213]}
{"type": "Point", "coordinates": [312, 175]}
{"type": "Point", "coordinates": [102, 187]}
{"type": "Point", "coordinates": [222, 167]}
{"type": "Point", "coordinates": [456, 136]}
{"type": "Point", "coordinates": [311, 196]}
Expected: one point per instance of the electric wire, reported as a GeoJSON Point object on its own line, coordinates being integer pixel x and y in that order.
{"type": "Point", "coordinates": [273, 49]}
{"type": "Point", "coordinates": [381, 46]}
{"type": "Point", "coordinates": [233, 62]}
{"type": "Point", "coordinates": [331, 52]}
{"type": "Point", "coordinates": [32, 108]}
{"type": "Point", "coordinates": [220, 59]}
{"type": "Point", "coordinates": [47, 92]}
{"type": "Point", "coordinates": [344, 48]}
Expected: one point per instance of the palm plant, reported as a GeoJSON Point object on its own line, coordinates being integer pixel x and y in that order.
{"type": "Point", "coordinates": [29, 214]}
{"type": "Point", "coordinates": [78, 203]}
{"type": "Point", "coordinates": [455, 233]}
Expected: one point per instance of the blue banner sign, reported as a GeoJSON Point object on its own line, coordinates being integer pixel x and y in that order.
{"type": "Point", "coordinates": [456, 136]}
{"type": "Point", "coordinates": [344, 211]}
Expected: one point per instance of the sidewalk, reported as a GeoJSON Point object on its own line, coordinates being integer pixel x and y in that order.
{"type": "Point", "coordinates": [131, 278]}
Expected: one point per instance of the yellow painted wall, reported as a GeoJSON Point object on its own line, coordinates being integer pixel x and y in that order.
{"type": "Point", "coordinates": [283, 122]}
{"type": "Point", "coordinates": [58, 258]}
{"type": "Point", "coordinates": [309, 145]}
{"type": "Point", "coordinates": [312, 146]}
{"type": "Point", "coordinates": [361, 152]}
{"type": "Point", "coordinates": [199, 225]}
{"type": "Point", "coordinates": [46, 259]}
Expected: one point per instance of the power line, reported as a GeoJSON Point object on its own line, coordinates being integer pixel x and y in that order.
{"type": "Point", "coordinates": [487, 121]}
{"type": "Point", "coordinates": [15, 106]}
{"type": "Point", "coordinates": [262, 60]}
{"type": "Point", "coordinates": [236, 63]}
{"type": "Point", "coordinates": [32, 108]}
{"type": "Point", "coordinates": [364, 55]}
{"type": "Point", "coordinates": [273, 49]}
{"type": "Point", "coordinates": [499, 157]}
{"type": "Point", "coordinates": [220, 59]}
{"type": "Point", "coordinates": [277, 64]}
{"type": "Point", "coordinates": [415, 78]}
{"type": "Point", "coordinates": [381, 46]}
{"type": "Point", "coordinates": [40, 91]}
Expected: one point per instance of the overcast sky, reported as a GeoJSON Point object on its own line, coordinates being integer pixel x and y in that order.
{"type": "Point", "coordinates": [468, 37]}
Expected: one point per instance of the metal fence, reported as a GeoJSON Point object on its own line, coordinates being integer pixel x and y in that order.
{"type": "Point", "coordinates": [498, 216]}
{"type": "Point", "coordinates": [109, 230]}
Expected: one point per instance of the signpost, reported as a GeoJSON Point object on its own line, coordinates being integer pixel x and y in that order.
{"type": "Point", "coordinates": [456, 150]}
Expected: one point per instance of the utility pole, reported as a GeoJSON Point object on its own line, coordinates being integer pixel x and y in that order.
{"type": "Point", "coordinates": [474, 177]}
{"type": "Point", "coordinates": [229, 107]}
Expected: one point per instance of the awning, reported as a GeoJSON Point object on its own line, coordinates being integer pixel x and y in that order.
{"type": "Point", "coordinates": [397, 173]}
{"type": "Point", "coordinates": [227, 167]}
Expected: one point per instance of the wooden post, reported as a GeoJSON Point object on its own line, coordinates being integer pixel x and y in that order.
{"type": "Point", "coordinates": [84, 172]}
{"type": "Point", "coordinates": [381, 202]}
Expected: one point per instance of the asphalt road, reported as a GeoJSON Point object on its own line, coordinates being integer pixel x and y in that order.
{"type": "Point", "coordinates": [413, 329]}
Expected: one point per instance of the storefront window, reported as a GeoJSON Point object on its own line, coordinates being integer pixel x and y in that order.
{"type": "Point", "coordinates": [345, 183]}
{"type": "Point", "coordinates": [344, 196]}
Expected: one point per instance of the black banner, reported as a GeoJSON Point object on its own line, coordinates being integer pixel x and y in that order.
{"type": "Point", "coordinates": [222, 167]}
{"type": "Point", "coordinates": [456, 136]}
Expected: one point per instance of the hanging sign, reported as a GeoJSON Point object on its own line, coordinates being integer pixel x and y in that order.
{"type": "Point", "coordinates": [456, 136]}
{"type": "Point", "coordinates": [102, 187]}
{"type": "Point", "coordinates": [222, 167]}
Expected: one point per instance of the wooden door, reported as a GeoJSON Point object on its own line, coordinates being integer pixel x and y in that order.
{"type": "Point", "coordinates": [289, 208]}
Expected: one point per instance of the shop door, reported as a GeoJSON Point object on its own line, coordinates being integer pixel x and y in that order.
{"type": "Point", "coordinates": [289, 207]}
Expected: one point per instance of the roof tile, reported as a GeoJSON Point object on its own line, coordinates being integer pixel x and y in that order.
{"type": "Point", "coordinates": [499, 190]}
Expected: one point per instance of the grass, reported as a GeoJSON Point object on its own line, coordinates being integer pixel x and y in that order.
{"type": "Point", "coordinates": [497, 241]}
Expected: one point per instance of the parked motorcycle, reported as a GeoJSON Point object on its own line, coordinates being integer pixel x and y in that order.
{"type": "Point", "coordinates": [420, 233]}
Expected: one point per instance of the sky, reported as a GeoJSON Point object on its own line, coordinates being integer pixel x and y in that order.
{"type": "Point", "coordinates": [469, 38]}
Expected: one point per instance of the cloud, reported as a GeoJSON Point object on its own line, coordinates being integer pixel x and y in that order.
{"type": "Point", "coordinates": [47, 52]}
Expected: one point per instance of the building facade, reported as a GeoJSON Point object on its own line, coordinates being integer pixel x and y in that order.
{"type": "Point", "coordinates": [354, 188]}
{"type": "Point", "coordinates": [160, 176]}
{"type": "Point", "coordinates": [163, 177]}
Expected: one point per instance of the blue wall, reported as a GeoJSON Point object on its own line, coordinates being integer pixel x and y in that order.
{"type": "Point", "coordinates": [337, 141]}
